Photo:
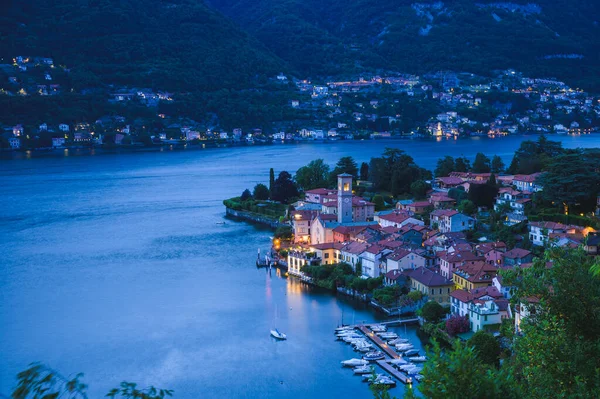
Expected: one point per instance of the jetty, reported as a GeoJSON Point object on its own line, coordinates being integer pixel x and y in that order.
{"type": "Point", "coordinates": [400, 376]}
{"type": "Point", "coordinates": [379, 342]}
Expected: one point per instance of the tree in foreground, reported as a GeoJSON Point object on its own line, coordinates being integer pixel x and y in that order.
{"type": "Point", "coordinates": [486, 347]}
{"type": "Point", "coordinates": [558, 353]}
{"type": "Point", "coordinates": [459, 373]}
{"type": "Point", "coordinates": [41, 382]}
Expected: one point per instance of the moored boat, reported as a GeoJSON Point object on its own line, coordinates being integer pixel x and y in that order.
{"type": "Point", "coordinates": [374, 355]}
{"type": "Point", "coordinates": [278, 335]}
{"type": "Point", "coordinates": [354, 362]}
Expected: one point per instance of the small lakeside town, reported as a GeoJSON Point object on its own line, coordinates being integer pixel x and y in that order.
{"type": "Point", "coordinates": [439, 105]}
{"type": "Point", "coordinates": [466, 273]}
{"type": "Point", "coordinates": [437, 259]}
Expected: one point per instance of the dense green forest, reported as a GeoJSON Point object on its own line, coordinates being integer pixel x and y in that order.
{"type": "Point", "coordinates": [179, 45]}
{"type": "Point", "coordinates": [325, 37]}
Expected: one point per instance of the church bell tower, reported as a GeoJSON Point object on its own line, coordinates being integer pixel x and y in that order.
{"type": "Point", "coordinates": [344, 198]}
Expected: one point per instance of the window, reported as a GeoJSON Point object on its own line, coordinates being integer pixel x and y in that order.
{"type": "Point", "coordinates": [326, 256]}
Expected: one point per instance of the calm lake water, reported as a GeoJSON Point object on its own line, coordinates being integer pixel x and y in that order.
{"type": "Point", "coordinates": [115, 266]}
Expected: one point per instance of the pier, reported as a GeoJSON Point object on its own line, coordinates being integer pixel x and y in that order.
{"type": "Point", "coordinates": [400, 376]}
{"type": "Point", "coordinates": [379, 342]}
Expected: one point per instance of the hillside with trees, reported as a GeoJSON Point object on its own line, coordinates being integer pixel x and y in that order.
{"type": "Point", "coordinates": [325, 37]}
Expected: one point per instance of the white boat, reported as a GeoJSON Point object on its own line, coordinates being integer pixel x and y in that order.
{"type": "Point", "coordinates": [354, 362]}
{"type": "Point", "coordinates": [404, 347]}
{"type": "Point", "coordinates": [408, 368]}
{"type": "Point", "coordinates": [343, 328]}
{"type": "Point", "coordinates": [374, 355]}
{"type": "Point", "coordinates": [398, 361]}
{"type": "Point", "coordinates": [398, 341]}
{"type": "Point", "coordinates": [366, 369]}
{"type": "Point", "coordinates": [377, 328]}
{"type": "Point", "coordinates": [417, 359]}
{"type": "Point", "coordinates": [411, 352]}
{"type": "Point", "coordinates": [419, 377]}
{"type": "Point", "coordinates": [387, 335]}
{"type": "Point", "coordinates": [371, 378]}
{"type": "Point", "coordinates": [384, 380]}
{"type": "Point", "coordinates": [278, 335]}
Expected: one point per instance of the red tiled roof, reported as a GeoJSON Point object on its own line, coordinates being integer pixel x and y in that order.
{"type": "Point", "coordinates": [450, 180]}
{"type": "Point", "coordinates": [374, 249]}
{"type": "Point", "coordinates": [483, 291]}
{"type": "Point", "coordinates": [460, 256]}
{"type": "Point", "coordinates": [462, 295]}
{"type": "Point", "coordinates": [355, 248]}
{"type": "Point", "coordinates": [396, 217]}
{"type": "Point", "coordinates": [398, 254]}
{"type": "Point", "coordinates": [428, 278]}
{"type": "Point", "coordinates": [328, 245]}
{"type": "Point", "coordinates": [477, 272]}
{"type": "Point", "coordinates": [527, 178]}
{"type": "Point", "coordinates": [444, 212]}
{"type": "Point", "coordinates": [321, 191]}
{"type": "Point", "coordinates": [517, 253]}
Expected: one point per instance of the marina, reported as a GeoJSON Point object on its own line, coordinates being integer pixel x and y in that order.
{"type": "Point", "coordinates": [387, 358]}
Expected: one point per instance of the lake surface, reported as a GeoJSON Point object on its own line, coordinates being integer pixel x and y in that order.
{"type": "Point", "coordinates": [115, 266]}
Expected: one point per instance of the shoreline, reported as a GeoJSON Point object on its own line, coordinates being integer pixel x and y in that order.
{"type": "Point", "coordinates": [8, 154]}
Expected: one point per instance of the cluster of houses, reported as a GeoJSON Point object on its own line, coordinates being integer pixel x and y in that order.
{"type": "Point", "coordinates": [334, 225]}
{"type": "Point", "coordinates": [550, 101]}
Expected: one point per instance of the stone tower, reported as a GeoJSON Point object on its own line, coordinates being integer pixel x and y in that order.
{"type": "Point", "coordinates": [344, 198]}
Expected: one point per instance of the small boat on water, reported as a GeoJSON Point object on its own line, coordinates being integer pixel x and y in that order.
{"type": "Point", "coordinates": [411, 352]}
{"type": "Point", "coordinates": [354, 362]}
{"type": "Point", "coordinates": [385, 380]}
{"type": "Point", "coordinates": [366, 369]}
{"type": "Point", "coordinates": [417, 359]}
{"type": "Point", "coordinates": [387, 335]}
{"type": "Point", "coordinates": [374, 355]}
{"type": "Point", "coordinates": [419, 377]}
{"type": "Point", "coordinates": [377, 328]}
{"type": "Point", "coordinates": [371, 378]}
{"type": "Point", "coordinates": [397, 362]}
{"type": "Point", "coordinates": [398, 341]}
{"type": "Point", "coordinates": [404, 347]}
{"type": "Point", "coordinates": [278, 335]}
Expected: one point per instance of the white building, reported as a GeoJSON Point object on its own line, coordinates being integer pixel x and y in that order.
{"type": "Point", "coordinates": [58, 142]}
{"type": "Point", "coordinates": [371, 260]}
{"type": "Point", "coordinates": [15, 143]}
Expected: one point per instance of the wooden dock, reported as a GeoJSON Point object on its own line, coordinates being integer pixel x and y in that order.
{"type": "Point", "coordinates": [379, 342]}
{"type": "Point", "coordinates": [400, 376]}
